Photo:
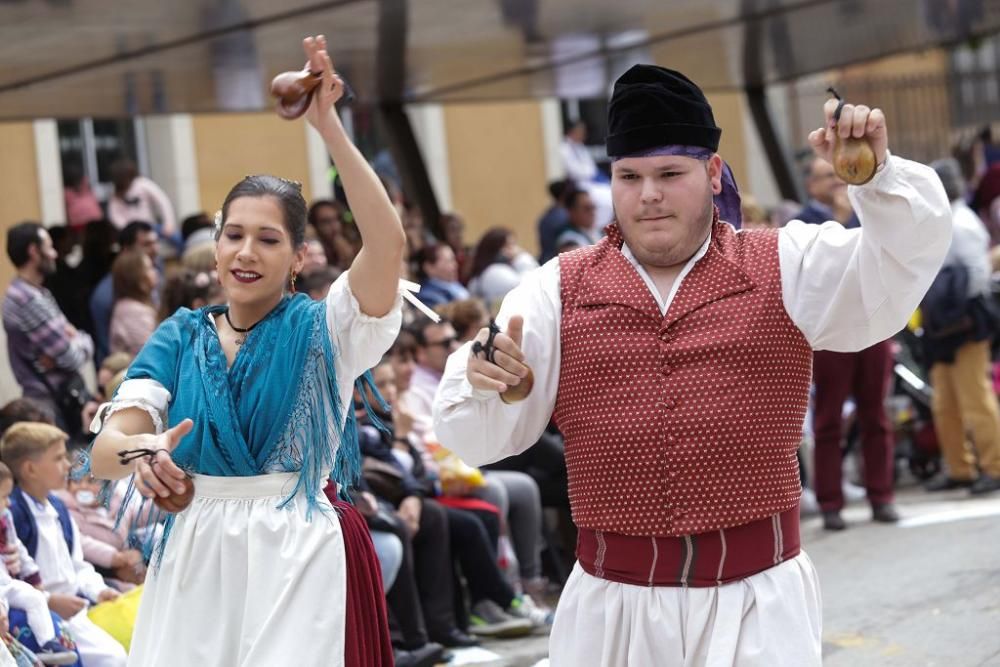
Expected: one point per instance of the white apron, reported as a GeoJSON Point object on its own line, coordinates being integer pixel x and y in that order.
{"type": "Point", "coordinates": [244, 584]}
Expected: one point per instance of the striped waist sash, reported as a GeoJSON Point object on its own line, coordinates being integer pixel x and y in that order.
{"type": "Point", "coordinates": [702, 560]}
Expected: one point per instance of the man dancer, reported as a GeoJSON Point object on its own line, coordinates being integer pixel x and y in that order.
{"type": "Point", "coordinates": [676, 354]}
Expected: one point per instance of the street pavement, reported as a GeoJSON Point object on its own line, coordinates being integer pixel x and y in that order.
{"type": "Point", "coordinates": [924, 593]}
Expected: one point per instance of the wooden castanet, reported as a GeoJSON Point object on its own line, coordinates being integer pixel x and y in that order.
{"type": "Point", "coordinates": [520, 391]}
{"type": "Point", "coordinates": [177, 502]}
{"type": "Point", "coordinates": [853, 158]}
{"type": "Point", "coordinates": [293, 92]}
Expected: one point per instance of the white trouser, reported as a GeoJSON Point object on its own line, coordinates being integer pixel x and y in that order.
{"type": "Point", "coordinates": [771, 619]}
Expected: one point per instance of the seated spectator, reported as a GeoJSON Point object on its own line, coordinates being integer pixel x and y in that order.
{"type": "Point", "coordinates": [189, 289]}
{"type": "Point", "coordinates": [198, 232]}
{"type": "Point", "coordinates": [582, 228]}
{"type": "Point", "coordinates": [753, 214]}
{"type": "Point", "coordinates": [24, 410]}
{"type": "Point", "coordinates": [18, 580]}
{"type": "Point", "coordinates": [515, 494]}
{"type": "Point", "coordinates": [315, 256]}
{"type": "Point", "coordinates": [827, 197]}
{"type": "Point", "coordinates": [105, 539]}
{"type": "Point", "coordinates": [316, 283]}
{"type": "Point", "coordinates": [554, 219]}
{"type": "Point", "coordinates": [108, 378]}
{"type": "Point", "coordinates": [36, 454]}
{"type": "Point", "coordinates": [438, 275]}
{"type": "Point", "coordinates": [133, 318]}
{"type": "Point", "coordinates": [497, 611]}
{"type": "Point", "coordinates": [453, 228]}
{"type": "Point", "coordinates": [498, 265]}
{"type": "Point", "coordinates": [468, 316]}
{"type": "Point", "coordinates": [326, 217]}
{"type": "Point", "coordinates": [196, 223]}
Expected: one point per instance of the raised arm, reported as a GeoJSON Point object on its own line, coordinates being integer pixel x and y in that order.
{"type": "Point", "coordinates": [847, 289]}
{"type": "Point", "coordinates": [374, 275]}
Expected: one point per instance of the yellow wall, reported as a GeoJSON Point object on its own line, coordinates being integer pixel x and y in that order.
{"type": "Point", "coordinates": [231, 146]}
{"type": "Point", "coordinates": [728, 110]}
{"type": "Point", "coordinates": [19, 198]}
{"type": "Point", "coordinates": [934, 61]}
{"type": "Point", "coordinates": [497, 167]}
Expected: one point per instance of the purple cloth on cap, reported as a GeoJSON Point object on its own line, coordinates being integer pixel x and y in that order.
{"type": "Point", "coordinates": [728, 200]}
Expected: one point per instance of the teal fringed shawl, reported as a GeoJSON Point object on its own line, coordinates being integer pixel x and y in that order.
{"type": "Point", "coordinates": [276, 409]}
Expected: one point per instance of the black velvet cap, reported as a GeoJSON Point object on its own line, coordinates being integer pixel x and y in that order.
{"type": "Point", "coordinates": [653, 106]}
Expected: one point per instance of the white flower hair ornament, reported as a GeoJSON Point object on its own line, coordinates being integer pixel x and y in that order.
{"type": "Point", "coordinates": [218, 223]}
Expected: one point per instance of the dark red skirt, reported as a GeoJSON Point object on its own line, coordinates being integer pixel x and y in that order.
{"type": "Point", "coordinates": [366, 634]}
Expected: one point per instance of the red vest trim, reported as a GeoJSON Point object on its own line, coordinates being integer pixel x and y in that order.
{"type": "Point", "coordinates": [686, 423]}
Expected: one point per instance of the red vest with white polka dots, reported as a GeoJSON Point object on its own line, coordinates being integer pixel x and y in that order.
{"type": "Point", "coordinates": [686, 423]}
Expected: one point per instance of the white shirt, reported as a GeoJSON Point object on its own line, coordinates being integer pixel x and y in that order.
{"type": "Point", "coordinates": [845, 289]}
{"type": "Point", "coordinates": [577, 161]}
{"type": "Point", "coordinates": [62, 573]}
{"type": "Point", "coordinates": [149, 204]}
{"type": "Point", "coordinates": [498, 279]}
{"type": "Point", "coordinates": [419, 400]}
{"type": "Point", "coordinates": [970, 247]}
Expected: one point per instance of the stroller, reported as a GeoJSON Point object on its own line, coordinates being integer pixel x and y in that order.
{"type": "Point", "coordinates": [909, 408]}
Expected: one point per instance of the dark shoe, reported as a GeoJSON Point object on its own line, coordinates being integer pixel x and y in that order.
{"type": "Point", "coordinates": [985, 484]}
{"type": "Point", "coordinates": [833, 521]}
{"type": "Point", "coordinates": [427, 655]}
{"type": "Point", "coordinates": [885, 513]}
{"type": "Point", "coordinates": [944, 483]}
{"type": "Point", "coordinates": [455, 638]}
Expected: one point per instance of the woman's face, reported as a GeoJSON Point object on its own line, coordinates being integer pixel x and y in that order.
{"type": "Point", "coordinates": [510, 249]}
{"type": "Point", "coordinates": [315, 256]}
{"type": "Point", "coordinates": [402, 367]}
{"type": "Point", "coordinates": [385, 382]}
{"type": "Point", "coordinates": [150, 274]}
{"type": "Point", "coordinates": [254, 254]}
{"type": "Point", "coordinates": [454, 231]}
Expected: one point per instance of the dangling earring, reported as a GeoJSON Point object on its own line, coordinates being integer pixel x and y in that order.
{"type": "Point", "coordinates": [291, 282]}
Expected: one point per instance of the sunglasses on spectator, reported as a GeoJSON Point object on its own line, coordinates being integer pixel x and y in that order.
{"type": "Point", "coordinates": [447, 342]}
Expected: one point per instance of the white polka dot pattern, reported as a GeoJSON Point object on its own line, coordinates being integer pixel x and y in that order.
{"type": "Point", "coordinates": [686, 423]}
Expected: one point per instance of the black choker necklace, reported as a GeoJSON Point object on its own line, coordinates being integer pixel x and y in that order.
{"type": "Point", "coordinates": [243, 337]}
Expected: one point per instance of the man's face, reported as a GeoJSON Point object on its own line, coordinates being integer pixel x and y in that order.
{"type": "Point", "coordinates": [47, 254]}
{"type": "Point", "coordinates": [663, 205]}
{"type": "Point", "coordinates": [445, 267]}
{"type": "Point", "coordinates": [440, 341]}
{"type": "Point", "coordinates": [148, 242]}
{"type": "Point", "coordinates": [823, 184]}
{"type": "Point", "coordinates": [326, 220]}
{"type": "Point", "coordinates": [582, 212]}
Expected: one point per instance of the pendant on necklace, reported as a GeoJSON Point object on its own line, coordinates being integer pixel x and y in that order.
{"type": "Point", "coordinates": [240, 340]}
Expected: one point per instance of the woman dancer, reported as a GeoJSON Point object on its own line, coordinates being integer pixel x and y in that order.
{"type": "Point", "coordinates": [253, 398]}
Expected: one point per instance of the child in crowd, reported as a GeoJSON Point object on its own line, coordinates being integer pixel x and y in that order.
{"type": "Point", "coordinates": [22, 594]}
{"type": "Point", "coordinates": [105, 540]}
{"type": "Point", "coordinates": [36, 454]}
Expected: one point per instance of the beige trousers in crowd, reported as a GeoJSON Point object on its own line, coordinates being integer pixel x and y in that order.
{"type": "Point", "coordinates": [964, 402]}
